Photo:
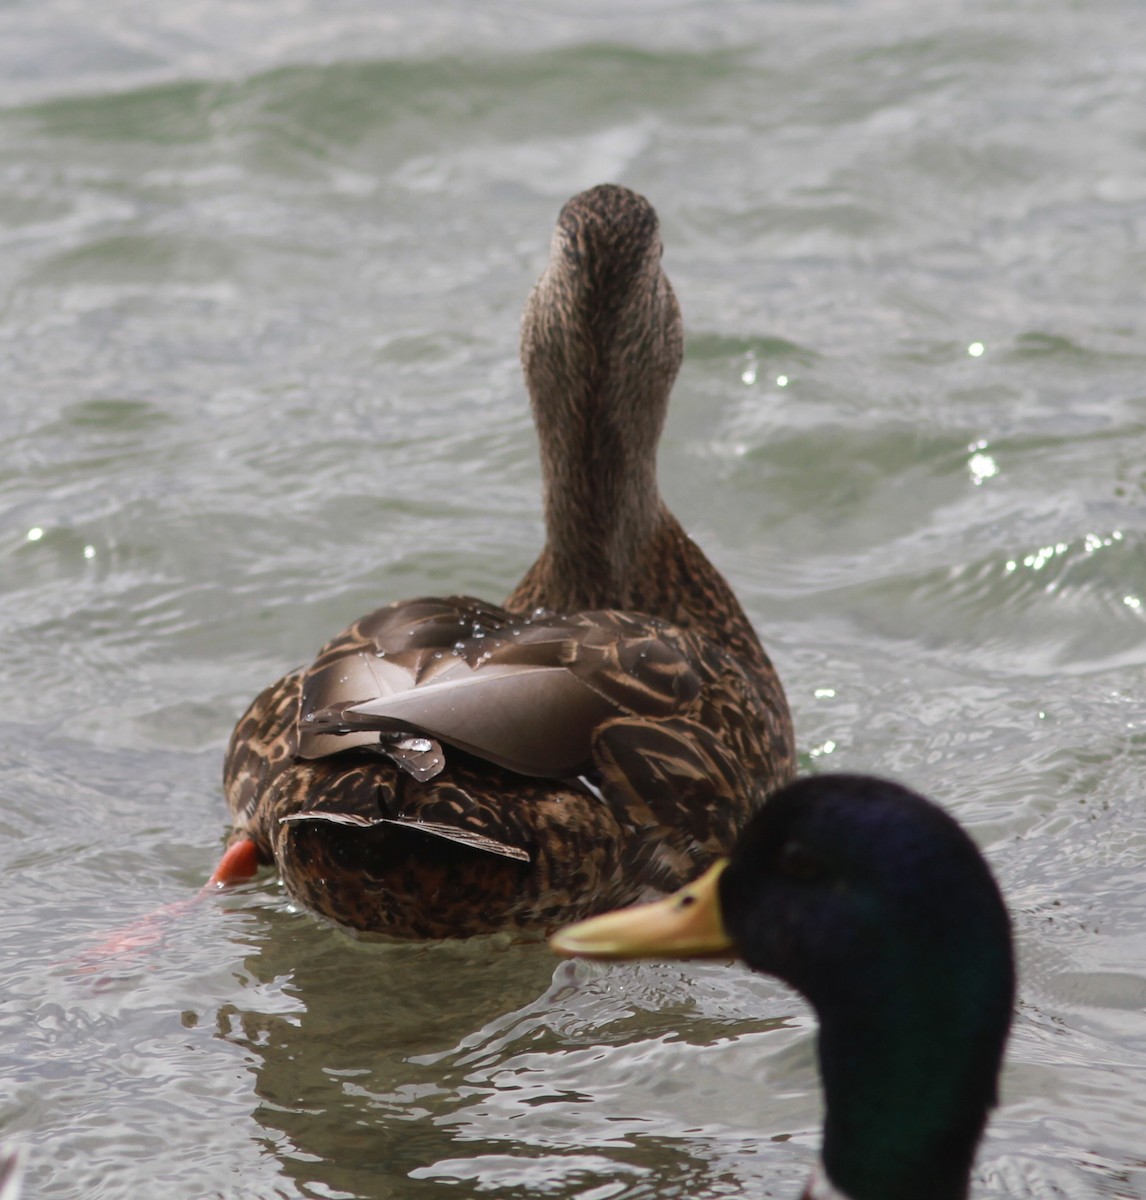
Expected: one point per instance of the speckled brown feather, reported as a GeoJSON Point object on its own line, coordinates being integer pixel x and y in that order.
{"type": "Point", "coordinates": [678, 713]}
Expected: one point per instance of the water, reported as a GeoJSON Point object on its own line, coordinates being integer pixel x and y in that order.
{"type": "Point", "coordinates": [260, 276]}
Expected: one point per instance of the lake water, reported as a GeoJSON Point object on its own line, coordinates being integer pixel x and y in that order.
{"type": "Point", "coordinates": [261, 269]}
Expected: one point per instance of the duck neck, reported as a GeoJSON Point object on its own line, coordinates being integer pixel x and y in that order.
{"type": "Point", "coordinates": [601, 344]}
{"type": "Point", "coordinates": [598, 425]}
{"type": "Point", "coordinates": [908, 1082]}
{"type": "Point", "coordinates": [603, 510]}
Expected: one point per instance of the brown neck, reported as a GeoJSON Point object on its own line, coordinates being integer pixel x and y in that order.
{"type": "Point", "coordinates": [601, 342]}
{"type": "Point", "coordinates": [669, 577]}
{"type": "Point", "coordinates": [590, 561]}
{"type": "Point", "coordinates": [603, 510]}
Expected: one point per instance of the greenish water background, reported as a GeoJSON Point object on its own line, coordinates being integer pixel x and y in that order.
{"type": "Point", "coordinates": [261, 269]}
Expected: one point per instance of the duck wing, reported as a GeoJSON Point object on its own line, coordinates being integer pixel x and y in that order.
{"type": "Point", "coordinates": [681, 785]}
{"type": "Point", "coordinates": [450, 833]}
{"type": "Point", "coordinates": [526, 693]}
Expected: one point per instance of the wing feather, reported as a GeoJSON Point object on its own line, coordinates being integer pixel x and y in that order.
{"type": "Point", "coordinates": [525, 693]}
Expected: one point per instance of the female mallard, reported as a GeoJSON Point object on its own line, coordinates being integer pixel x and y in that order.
{"type": "Point", "coordinates": [874, 904]}
{"type": "Point", "coordinates": [448, 767]}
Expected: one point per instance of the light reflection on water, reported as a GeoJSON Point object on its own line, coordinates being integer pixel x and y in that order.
{"type": "Point", "coordinates": [260, 279]}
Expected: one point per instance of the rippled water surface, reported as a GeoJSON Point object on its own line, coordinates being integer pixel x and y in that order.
{"type": "Point", "coordinates": [260, 275]}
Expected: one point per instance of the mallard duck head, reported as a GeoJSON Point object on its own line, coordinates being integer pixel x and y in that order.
{"type": "Point", "coordinates": [875, 904]}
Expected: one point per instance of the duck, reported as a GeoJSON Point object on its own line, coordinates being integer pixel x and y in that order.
{"type": "Point", "coordinates": [448, 766]}
{"type": "Point", "coordinates": [874, 904]}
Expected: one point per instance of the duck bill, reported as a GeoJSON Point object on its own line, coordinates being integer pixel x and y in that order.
{"type": "Point", "coordinates": [687, 924]}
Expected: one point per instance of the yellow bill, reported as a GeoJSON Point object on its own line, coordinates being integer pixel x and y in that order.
{"type": "Point", "coordinates": [687, 924]}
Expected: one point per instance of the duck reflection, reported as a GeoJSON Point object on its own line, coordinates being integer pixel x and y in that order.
{"type": "Point", "coordinates": [390, 1069]}
{"type": "Point", "coordinates": [348, 1064]}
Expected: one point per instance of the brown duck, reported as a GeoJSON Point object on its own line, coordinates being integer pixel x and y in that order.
{"type": "Point", "coordinates": [448, 767]}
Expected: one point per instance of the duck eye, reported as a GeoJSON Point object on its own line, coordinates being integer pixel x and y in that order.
{"type": "Point", "coordinates": [686, 901]}
{"type": "Point", "coordinates": [798, 864]}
